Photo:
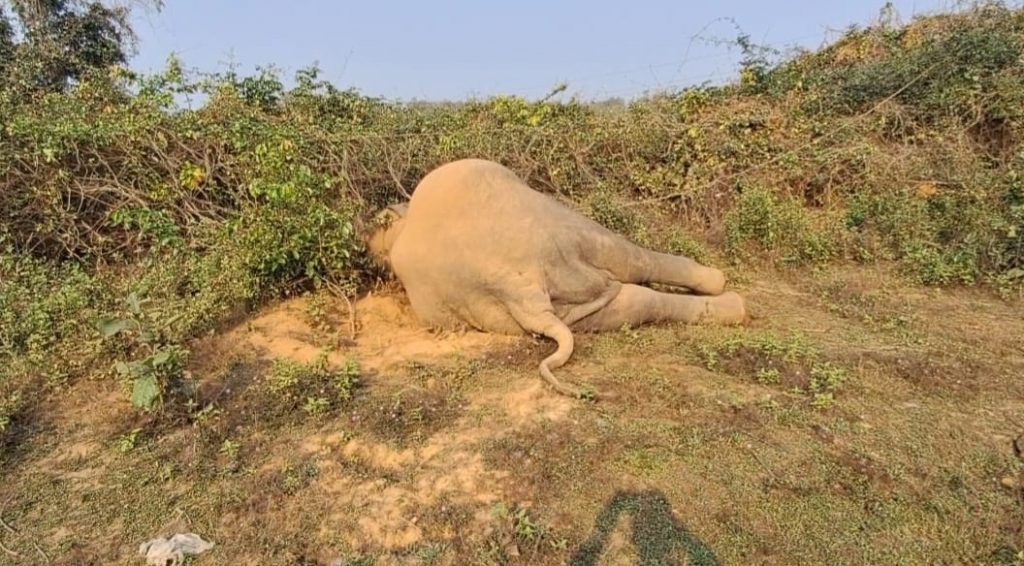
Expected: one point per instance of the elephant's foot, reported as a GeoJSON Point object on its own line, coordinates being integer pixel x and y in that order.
{"type": "Point", "coordinates": [709, 281]}
{"type": "Point", "coordinates": [727, 308]}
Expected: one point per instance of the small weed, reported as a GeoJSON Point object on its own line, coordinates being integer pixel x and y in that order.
{"type": "Point", "coordinates": [316, 407]}
{"type": "Point", "coordinates": [295, 478]}
{"type": "Point", "coordinates": [353, 559]}
{"type": "Point", "coordinates": [768, 376]}
{"type": "Point", "coordinates": [453, 376]}
{"type": "Point", "coordinates": [286, 375]}
{"type": "Point", "coordinates": [128, 441]}
{"type": "Point", "coordinates": [317, 386]}
{"type": "Point", "coordinates": [316, 309]}
{"type": "Point", "coordinates": [526, 530]}
{"type": "Point", "coordinates": [772, 360]}
{"type": "Point", "coordinates": [431, 553]}
{"type": "Point", "coordinates": [634, 337]}
{"type": "Point", "coordinates": [826, 377]}
{"type": "Point", "coordinates": [646, 462]}
{"type": "Point", "coordinates": [587, 393]}
{"type": "Point", "coordinates": [822, 400]}
{"type": "Point", "coordinates": [230, 448]}
{"type": "Point", "coordinates": [347, 378]}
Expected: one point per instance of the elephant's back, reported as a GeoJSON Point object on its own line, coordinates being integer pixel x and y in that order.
{"type": "Point", "coordinates": [472, 188]}
{"type": "Point", "coordinates": [485, 196]}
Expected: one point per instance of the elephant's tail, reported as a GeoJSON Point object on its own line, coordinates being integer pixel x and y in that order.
{"type": "Point", "coordinates": [540, 320]}
{"type": "Point", "coordinates": [561, 334]}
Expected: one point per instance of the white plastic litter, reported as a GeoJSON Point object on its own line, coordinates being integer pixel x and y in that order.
{"type": "Point", "coordinates": [171, 552]}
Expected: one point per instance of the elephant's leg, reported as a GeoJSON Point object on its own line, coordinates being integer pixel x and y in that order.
{"type": "Point", "coordinates": [682, 271]}
{"type": "Point", "coordinates": [630, 263]}
{"type": "Point", "coordinates": [636, 305]}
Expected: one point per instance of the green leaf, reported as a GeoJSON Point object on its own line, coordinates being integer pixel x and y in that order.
{"type": "Point", "coordinates": [145, 392]}
{"type": "Point", "coordinates": [173, 319]}
{"type": "Point", "coordinates": [137, 368]}
{"type": "Point", "coordinates": [161, 357]}
{"type": "Point", "coordinates": [111, 326]}
{"type": "Point", "coordinates": [122, 368]}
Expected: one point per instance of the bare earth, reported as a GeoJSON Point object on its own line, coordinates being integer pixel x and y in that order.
{"type": "Point", "coordinates": [453, 451]}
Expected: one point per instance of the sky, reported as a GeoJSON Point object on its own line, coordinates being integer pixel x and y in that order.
{"type": "Point", "coordinates": [454, 50]}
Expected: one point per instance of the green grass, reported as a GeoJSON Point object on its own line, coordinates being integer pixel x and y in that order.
{"type": "Point", "coordinates": [319, 385]}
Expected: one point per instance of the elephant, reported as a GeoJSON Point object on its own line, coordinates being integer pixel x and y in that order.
{"type": "Point", "coordinates": [475, 246]}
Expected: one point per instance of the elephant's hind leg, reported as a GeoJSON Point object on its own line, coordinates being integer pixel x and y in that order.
{"type": "Point", "coordinates": [636, 305]}
{"type": "Point", "coordinates": [630, 263]}
{"type": "Point", "coordinates": [682, 271]}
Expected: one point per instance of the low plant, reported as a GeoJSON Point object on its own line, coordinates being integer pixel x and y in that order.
{"type": "Point", "coordinates": [156, 365]}
{"type": "Point", "coordinates": [769, 359]}
{"type": "Point", "coordinates": [317, 386]}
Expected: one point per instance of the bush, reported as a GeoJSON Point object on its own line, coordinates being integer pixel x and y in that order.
{"type": "Point", "coordinates": [777, 225]}
{"type": "Point", "coordinates": [940, 235]}
{"type": "Point", "coordinates": [44, 316]}
{"type": "Point", "coordinates": [316, 387]}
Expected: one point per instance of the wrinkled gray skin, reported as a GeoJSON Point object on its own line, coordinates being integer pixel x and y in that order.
{"type": "Point", "coordinates": [476, 246]}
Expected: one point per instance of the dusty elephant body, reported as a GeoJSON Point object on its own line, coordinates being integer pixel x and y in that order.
{"type": "Point", "coordinates": [476, 246]}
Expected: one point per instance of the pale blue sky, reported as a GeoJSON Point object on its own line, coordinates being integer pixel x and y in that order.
{"type": "Point", "coordinates": [457, 49]}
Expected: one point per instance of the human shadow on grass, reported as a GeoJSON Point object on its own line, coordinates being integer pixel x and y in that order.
{"type": "Point", "coordinates": [657, 536]}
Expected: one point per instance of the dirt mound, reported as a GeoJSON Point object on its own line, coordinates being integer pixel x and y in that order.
{"type": "Point", "coordinates": [387, 334]}
{"type": "Point", "coordinates": [377, 490]}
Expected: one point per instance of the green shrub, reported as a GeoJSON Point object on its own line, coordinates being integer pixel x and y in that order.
{"type": "Point", "coordinates": [775, 224]}
{"type": "Point", "coordinates": [316, 386]}
{"type": "Point", "coordinates": [149, 359]}
{"type": "Point", "coordinates": [605, 210]}
{"type": "Point", "coordinates": [951, 235]}
{"type": "Point", "coordinates": [45, 310]}
{"type": "Point", "coordinates": [681, 243]}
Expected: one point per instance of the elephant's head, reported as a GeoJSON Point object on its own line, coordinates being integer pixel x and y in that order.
{"type": "Point", "coordinates": [384, 230]}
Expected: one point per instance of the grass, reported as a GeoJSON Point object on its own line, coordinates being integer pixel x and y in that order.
{"type": "Point", "coordinates": [788, 363]}
{"type": "Point", "coordinates": [887, 475]}
{"type": "Point", "coordinates": [316, 386]}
